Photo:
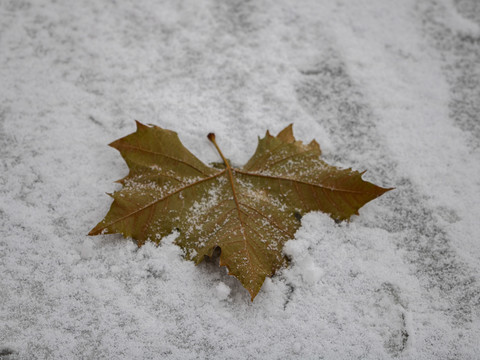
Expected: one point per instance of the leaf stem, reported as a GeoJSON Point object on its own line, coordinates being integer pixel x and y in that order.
{"type": "Point", "coordinates": [211, 137]}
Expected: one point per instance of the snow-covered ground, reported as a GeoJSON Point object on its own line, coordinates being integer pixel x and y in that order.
{"type": "Point", "coordinates": [385, 85]}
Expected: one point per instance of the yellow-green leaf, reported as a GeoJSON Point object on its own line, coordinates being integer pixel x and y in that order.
{"type": "Point", "coordinates": [249, 212]}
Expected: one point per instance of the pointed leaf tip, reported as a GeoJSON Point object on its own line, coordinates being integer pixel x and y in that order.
{"type": "Point", "coordinates": [287, 134]}
{"type": "Point", "coordinates": [314, 144]}
{"type": "Point", "coordinates": [140, 125]}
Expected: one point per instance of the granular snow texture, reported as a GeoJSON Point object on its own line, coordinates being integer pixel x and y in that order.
{"type": "Point", "coordinates": [384, 85]}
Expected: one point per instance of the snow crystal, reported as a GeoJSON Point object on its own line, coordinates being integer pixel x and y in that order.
{"type": "Point", "coordinates": [296, 348]}
{"type": "Point", "coordinates": [86, 250]}
{"type": "Point", "coordinates": [222, 291]}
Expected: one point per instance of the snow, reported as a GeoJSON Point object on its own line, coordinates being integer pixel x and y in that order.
{"type": "Point", "coordinates": [388, 86]}
{"type": "Point", "coordinates": [223, 291]}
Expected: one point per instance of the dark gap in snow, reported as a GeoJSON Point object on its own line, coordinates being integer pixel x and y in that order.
{"type": "Point", "coordinates": [288, 295]}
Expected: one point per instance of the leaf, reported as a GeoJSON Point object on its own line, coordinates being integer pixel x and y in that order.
{"type": "Point", "coordinates": [248, 212]}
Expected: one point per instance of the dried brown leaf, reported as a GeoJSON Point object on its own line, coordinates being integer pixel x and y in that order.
{"type": "Point", "coordinates": [248, 212]}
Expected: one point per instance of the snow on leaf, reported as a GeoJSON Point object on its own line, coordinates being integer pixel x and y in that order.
{"type": "Point", "coordinates": [248, 212]}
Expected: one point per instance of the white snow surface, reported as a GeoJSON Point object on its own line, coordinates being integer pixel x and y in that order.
{"type": "Point", "coordinates": [384, 85]}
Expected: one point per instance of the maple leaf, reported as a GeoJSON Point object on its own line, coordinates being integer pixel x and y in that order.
{"type": "Point", "coordinates": [248, 212]}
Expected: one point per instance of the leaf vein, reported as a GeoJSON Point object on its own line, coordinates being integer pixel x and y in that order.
{"type": "Point", "coordinates": [157, 201]}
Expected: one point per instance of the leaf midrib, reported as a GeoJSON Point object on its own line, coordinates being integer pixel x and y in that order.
{"type": "Point", "coordinates": [299, 182]}
{"type": "Point", "coordinates": [160, 200]}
